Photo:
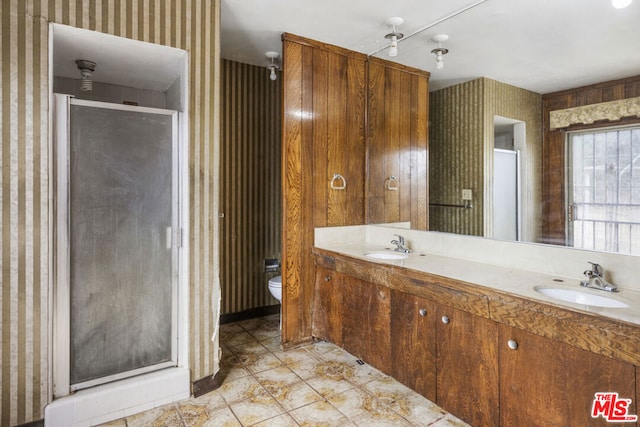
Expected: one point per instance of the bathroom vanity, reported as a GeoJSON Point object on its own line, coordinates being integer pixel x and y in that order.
{"type": "Point", "coordinates": [478, 339]}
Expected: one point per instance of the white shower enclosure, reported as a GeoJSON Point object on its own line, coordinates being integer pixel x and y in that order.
{"type": "Point", "coordinates": [118, 234]}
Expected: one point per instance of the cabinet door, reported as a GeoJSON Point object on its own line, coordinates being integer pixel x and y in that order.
{"type": "Point", "coordinates": [327, 306]}
{"type": "Point", "coordinates": [366, 322]}
{"type": "Point", "coordinates": [467, 367]}
{"type": "Point", "coordinates": [413, 342]}
{"type": "Point", "coordinates": [548, 383]}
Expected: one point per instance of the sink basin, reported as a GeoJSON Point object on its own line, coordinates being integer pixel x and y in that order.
{"type": "Point", "coordinates": [386, 255]}
{"type": "Point", "coordinates": [580, 297]}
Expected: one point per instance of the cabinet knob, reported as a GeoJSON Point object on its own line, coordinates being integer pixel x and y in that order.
{"type": "Point", "coordinates": [513, 344]}
{"type": "Point", "coordinates": [422, 311]}
{"type": "Point", "coordinates": [327, 278]}
{"type": "Point", "coordinates": [445, 320]}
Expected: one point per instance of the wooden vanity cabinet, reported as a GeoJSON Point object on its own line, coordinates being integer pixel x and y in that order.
{"type": "Point", "coordinates": [367, 321]}
{"type": "Point", "coordinates": [413, 342]}
{"type": "Point", "coordinates": [548, 383]}
{"type": "Point", "coordinates": [467, 366]}
{"type": "Point", "coordinates": [327, 306]}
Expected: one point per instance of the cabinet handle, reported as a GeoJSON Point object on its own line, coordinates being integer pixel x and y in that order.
{"type": "Point", "coordinates": [445, 320]}
{"type": "Point", "coordinates": [327, 278]}
{"type": "Point", "coordinates": [513, 344]}
{"type": "Point", "coordinates": [422, 311]}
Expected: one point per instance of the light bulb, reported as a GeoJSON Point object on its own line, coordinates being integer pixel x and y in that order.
{"type": "Point", "coordinates": [273, 76]}
{"type": "Point", "coordinates": [439, 62]}
{"type": "Point", "coordinates": [393, 47]}
{"type": "Point", "coordinates": [620, 4]}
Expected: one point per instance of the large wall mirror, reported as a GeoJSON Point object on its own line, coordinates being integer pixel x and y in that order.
{"type": "Point", "coordinates": [497, 167]}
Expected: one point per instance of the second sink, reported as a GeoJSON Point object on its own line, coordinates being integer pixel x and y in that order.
{"type": "Point", "coordinates": [580, 297]}
{"type": "Point", "coordinates": [388, 255]}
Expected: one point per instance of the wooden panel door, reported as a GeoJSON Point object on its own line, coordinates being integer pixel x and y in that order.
{"type": "Point", "coordinates": [467, 365]}
{"type": "Point", "coordinates": [327, 306]}
{"type": "Point", "coordinates": [548, 383]}
{"type": "Point", "coordinates": [366, 322]}
{"type": "Point", "coordinates": [398, 116]}
{"type": "Point", "coordinates": [413, 342]}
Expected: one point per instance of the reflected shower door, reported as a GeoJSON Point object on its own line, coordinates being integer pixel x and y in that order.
{"type": "Point", "coordinates": [121, 214]}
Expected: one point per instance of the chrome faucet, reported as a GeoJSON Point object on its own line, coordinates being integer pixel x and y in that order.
{"type": "Point", "coordinates": [595, 279]}
{"type": "Point", "coordinates": [400, 245]}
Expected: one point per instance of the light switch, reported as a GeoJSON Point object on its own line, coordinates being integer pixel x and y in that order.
{"type": "Point", "coordinates": [466, 194]}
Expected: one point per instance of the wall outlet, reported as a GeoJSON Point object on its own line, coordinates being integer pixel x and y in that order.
{"type": "Point", "coordinates": [466, 194]}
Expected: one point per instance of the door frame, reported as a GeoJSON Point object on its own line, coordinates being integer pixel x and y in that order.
{"type": "Point", "coordinates": [61, 286]}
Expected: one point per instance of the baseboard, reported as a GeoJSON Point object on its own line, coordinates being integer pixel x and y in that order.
{"type": "Point", "coordinates": [207, 384]}
{"type": "Point", "coordinates": [249, 314]}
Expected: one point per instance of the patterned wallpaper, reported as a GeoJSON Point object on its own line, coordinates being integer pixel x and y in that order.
{"type": "Point", "coordinates": [461, 143]}
{"type": "Point", "coordinates": [25, 189]}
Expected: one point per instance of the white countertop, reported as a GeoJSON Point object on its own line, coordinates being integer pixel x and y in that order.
{"type": "Point", "coordinates": [518, 282]}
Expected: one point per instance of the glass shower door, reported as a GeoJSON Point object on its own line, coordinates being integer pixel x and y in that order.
{"type": "Point", "coordinates": [121, 258]}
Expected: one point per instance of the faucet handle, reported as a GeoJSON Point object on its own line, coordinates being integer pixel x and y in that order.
{"type": "Point", "coordinates": [400, 239]}
{"type": "Point", "coordinates": [596, 269]}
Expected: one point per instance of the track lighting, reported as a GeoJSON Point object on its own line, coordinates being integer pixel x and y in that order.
{"type": "Point", "coordinates": [440, 51]}
{"type": "Point", "coordinates": [86, 68]}
{"type": "Point", "coordinates": [272, 66]}
{"type": "Point", "coordinates": [394, 35]}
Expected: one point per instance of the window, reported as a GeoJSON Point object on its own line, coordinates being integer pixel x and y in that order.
{"type": "Point", "coordinates": [604, 189]}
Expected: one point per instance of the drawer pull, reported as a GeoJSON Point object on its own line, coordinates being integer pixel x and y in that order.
{"type": "Point", "coordinates": [327, 278]}
{"type": "Point", "coordinates": [445, 320]}
{"type": "Point", "coordinates": [422, 311]}
{"type": "Point", "coordinates": [513, 344]}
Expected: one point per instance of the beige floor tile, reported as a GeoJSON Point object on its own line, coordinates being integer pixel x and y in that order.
{"type": "Point", "coordinates": [283, 420]}
{"type": "Point", "coordinates": [353, 403]}
{"type": "Point", "coordinates": [382, 419]}
{"type": "Point", "coordinates": [259, 407]}
{"type": "Point", "coordinates": [194, 414]}
{"type": "Point", "coordinates": [116, 423]}
{"type": "Point", "coordinates": [417, 410]}
{"type": "Point", "coordinates": [232, 373]}
{"type": "Point", "coordinates": [328, 387]}
{"type": "Point", "coordinates": [212, 400]}
{"type": "Point", "coordinates": [273, 344]}
{"type": "Point", "coordinates": [241, 389]}
{"type": "Point", "coordinates": [319, 414]}
{"type": "Point", "coordinates": [450, 421]}
{"type": "Point", "coordinates": [281, 376]}
{"type": "Point", "coordinates": [386, 389]}
{"type": "Point", "coordinates": [239, 338]}
{"type": "Point", "coordinates": [222, 417]}
{"type": "Point", "coordinates": [293, 396]}
{"type": "Point", "coordinates": [263, 362]}
{"type": "Point", "coordinates": [249, 347]}
{"type": "Point", "coordinates": [165, 416]}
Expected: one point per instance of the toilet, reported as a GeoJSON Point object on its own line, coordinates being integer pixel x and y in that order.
{"type": "Point", "coordinates": [275, 288]}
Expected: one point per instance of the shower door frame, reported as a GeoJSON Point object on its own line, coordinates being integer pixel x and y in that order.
{"type": "Point", "coordinates": [61, 354]}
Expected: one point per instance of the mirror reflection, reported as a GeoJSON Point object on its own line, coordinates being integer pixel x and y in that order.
{"type": "Point", "coordinates": [504, 164]}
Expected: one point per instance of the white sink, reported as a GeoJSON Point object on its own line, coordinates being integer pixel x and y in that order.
{"type": "Point", "coordinates": [580, 297]}
{"type": "Point", "coordinates": [388, 255]}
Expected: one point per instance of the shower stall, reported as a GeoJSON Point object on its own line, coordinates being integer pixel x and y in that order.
{"type": "Point", "coordinates": [117, 242]}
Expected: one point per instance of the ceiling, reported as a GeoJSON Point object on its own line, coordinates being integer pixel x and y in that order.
{"type": "Point", "coordinates": [540, 45]}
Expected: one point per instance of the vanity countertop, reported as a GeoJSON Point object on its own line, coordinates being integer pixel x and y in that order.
{"type": "Point", "coordinates": [500, 280]}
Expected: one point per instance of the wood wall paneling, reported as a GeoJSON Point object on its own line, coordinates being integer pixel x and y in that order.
{"type": "Point", "coordinates": [398, 109]}
{"type": "Point", "coordinates": [323, 134]}
{"type": "Point", "coordinates": [554, 162]}
{"type": "Point", "coordinates": [25, 227]}
{"type": "Point", "coordinates": [250, 184]}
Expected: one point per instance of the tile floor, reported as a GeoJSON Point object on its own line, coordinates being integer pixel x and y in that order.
{"type": "Point", "coordinates": [316, 385]}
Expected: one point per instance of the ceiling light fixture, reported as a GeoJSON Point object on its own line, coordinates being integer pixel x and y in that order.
{"type": "Point", "coordinates": [620, 4]}
{"type": "Point", "coordinates": [440, 51]}
{"type": "Point", "coordinates": [272, 66]}
{"type": "Point", "coordinates": [394, 35]}
{"type": "Point", "coordinates": [86, 68]}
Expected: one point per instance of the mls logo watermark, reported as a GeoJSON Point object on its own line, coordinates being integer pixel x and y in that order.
{"type": "Point", "coordinates": [612, 408]}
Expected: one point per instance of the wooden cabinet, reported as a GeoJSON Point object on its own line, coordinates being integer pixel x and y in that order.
{"type": "Point", "coordinates": [549, 383]}
{"type": "Point", "coordinates": [366, 322]}
{"type": "Point", "coordinates": [413, 342]}
{"type": "Point", "coordinates": [398, 117]}
{"type": "Point", "coordinates": [467, 366]}
{"type": "Point", "coordinates": [327, 306]}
